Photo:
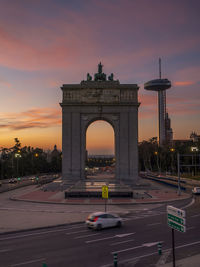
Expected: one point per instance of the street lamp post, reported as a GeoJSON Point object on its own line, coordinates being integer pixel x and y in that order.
{"type": "Point", "coordinates": [178, 165]}
{"type": "Point", "coordinates": [156, 153]}
{"type": "Point", "coordinates": [172, 159]}
{"type": "Point", "coordinates": [194, 149]}
{"type": "Point", "coordinates": [17, 156]}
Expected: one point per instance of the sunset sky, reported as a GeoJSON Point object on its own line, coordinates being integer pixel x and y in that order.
{"type": "Point", "coordinates": [46, 43]}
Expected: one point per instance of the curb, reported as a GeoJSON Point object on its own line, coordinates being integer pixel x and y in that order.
{"type": "Point", "coordinates": [117, 203]}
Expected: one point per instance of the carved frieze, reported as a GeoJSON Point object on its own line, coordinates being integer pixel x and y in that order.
{"type": "Point", "coordinates": [99, 96]}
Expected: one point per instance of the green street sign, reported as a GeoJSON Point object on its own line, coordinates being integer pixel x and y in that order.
{"type": "Point", "coordinates": [177, 226]}
{"type": "Point", "coordinates": [176, 219]}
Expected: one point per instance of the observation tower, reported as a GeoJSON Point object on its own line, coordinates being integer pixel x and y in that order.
{"type": "Point", "coordinates": [161, 85]}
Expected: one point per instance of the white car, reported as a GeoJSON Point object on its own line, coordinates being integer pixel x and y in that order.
{"type": "Point", "coordinates": [99, 220]}
{"type": "Point", "coordinates": [196, 190]}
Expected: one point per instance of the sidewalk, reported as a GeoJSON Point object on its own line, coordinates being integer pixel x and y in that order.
{"type": "Point", "coordinates": [193, 261]}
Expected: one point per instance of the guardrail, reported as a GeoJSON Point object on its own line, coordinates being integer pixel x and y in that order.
{"type": "Point", "coordinates": [165, 180]}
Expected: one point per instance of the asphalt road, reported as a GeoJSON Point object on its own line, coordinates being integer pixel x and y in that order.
{"type": "Point", "coordinates": [75, 245]}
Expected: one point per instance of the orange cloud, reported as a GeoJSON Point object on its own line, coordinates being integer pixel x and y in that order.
{"type": "Point", "coordinates": [33, 118]}
{"type": "Point", "coordinates": [186, 83]}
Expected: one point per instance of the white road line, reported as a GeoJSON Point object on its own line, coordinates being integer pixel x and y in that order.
{"type": "Point", "coordinates": [96, 240]}
{"type": "Point", "coordinates": [152, 224]}
{"type": "Point", "coordinates": [77, 232]}
{"type": "Point", "coordinates": [141, 246]}
{"type": "Point", "coordinates": [193, 216]}
{"type": "Point", "coordinates": [132, 259]}
{"type": "Point", "coordinates": [27, 262]}
{"type": "Point", "coordinates": [117, 243]}
{"type": "Point", "coordinates": [84, 236]}
{"type": "Point", "coordinates": [35, 234]}
{"type": "Point", "coordinates": [136, 217]}
{"type": "Point", "coordinates": [189, 204]}
{"type": "Point", "coordinates": [189, 244]}
{"type": "Point", "coordinates": [110, 237]}
{"type": "Point", "coordinates": [190, 228]}
{"type": "Point", "coordinates": [4, 250]}
{"type": "Point", "coordinates": [150, 254]}
{"type": "Point", "coordinates": [127, 249]}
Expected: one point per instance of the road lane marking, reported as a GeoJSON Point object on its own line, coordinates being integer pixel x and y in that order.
{"type": "Point", "coordinates": [189, 244]}
{"type": "Point", "coordinates": [117, 243]}
{"type": "Point", "coordinates": [78, 237]}
{"type": "Point", "coordinates": [110, 237]}
{"type": "Point", "coordinates": [100, 239]}
{"type": "Point", "coordinates": [193, 216]}
{"type": "Point", "coordinates": [152, 224]}
{"type": "Point", "coordinates": [77, 232]}
{"type": "Point", "coordinates": [124, 235]}
{"type": "Point", "coordinates": [151, 254]}
{"type": "Point", "coordinates": [131, 259]}
{"type": "Point", "coordinates": [141, 246]}
{"type": "Point", "coordinates": [189, 204]}
{"type": "Point", "coordinates": [4, 250]}
{"type": "Point", "coordinates": [35, 234]}
{"type": "Point", "coordinates": [142, 216]}
{"type": "Point", "coordinates": [27, 262]}
{"type": "Point", "coordinates": [190, 228]}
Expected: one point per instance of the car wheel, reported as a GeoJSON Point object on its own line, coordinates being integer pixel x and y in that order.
{"type": "Point", "coordinates": [99, 227]}
{"type": "Point", "coordinates": [119, 224]}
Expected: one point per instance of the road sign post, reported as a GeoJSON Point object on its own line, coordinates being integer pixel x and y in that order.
{"type": "Point", "coordinates": [105, 194]}
{"type": "Point", "coordinates": [176, 220]}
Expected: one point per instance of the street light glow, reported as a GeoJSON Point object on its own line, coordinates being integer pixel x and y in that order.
{"type": "Point", "coordinates": [194, 149]}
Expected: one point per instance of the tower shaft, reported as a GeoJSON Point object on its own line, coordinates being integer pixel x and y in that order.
{"type": "Point", "coordinates": [162, 116]}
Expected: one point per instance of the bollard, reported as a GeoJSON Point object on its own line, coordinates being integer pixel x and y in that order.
{"type": "Point", "coordinates": [115, 259]}
{"type": "Point", "coordinates": [159, 248]}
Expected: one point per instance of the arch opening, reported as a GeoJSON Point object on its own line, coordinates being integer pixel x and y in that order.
{"type": "Point", "coordinates": [100, 150]}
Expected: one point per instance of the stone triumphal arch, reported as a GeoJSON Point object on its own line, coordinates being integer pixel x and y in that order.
{"type": "Point", "coordinates": [100, 99]}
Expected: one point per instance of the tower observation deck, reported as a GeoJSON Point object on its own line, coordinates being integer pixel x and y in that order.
{"type": "Point", "coordinates": [161, 85]}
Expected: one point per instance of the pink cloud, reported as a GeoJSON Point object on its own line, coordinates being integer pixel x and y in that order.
{"type": "Point", "coordinates": [185, 83]}
{"type": "Point", "coordinates": [33, 118]}
{"type": "Point", "coordinates": [72, 39]}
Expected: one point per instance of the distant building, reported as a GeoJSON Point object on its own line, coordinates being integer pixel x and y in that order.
{"type": "Point", "coordinates": [55, 153]}
{"type": "Point", "coordinates": [169, 132]}
{"type": "Point", "coordinates": [100, 156]}
{"type": "Point", "coordinates": [194, 137]}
